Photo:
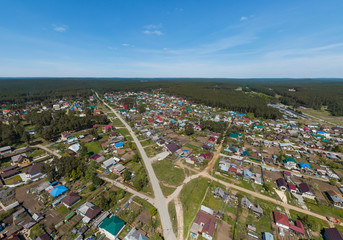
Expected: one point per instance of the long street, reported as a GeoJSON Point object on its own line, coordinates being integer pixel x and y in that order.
{"type": "Point", "coordinates": [161, 204]}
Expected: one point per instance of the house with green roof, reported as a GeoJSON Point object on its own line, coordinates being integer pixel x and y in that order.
{"type": "Point", "coordinates": [112, 227]}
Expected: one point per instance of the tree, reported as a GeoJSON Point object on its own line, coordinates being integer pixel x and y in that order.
{"type": "Point", "coordinates": [96, 180]}
{"type": "Point", "coordinates": [189, 130]}
{"type": "Point", "coordinates": [73, 174]}
{"type": "Point", "coordinates": [153, 211]}
{"type": "Point", "coordinates": [126, 175]}
{"type": "Point", "coordinates": [333, 182]}
{"type": "Point", "coordinates": [136, 158]}
{"type": "Point", "coordinates": [26, 137]}
{"type": "Point", "coordinates": [141, 108]}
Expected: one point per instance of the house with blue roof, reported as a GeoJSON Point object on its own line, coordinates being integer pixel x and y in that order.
{"type": "Point", "coordinates": [119, 144]}
{"type": "Point", "coordinates": [58, 190]}
{"type": "Point", "coordinates": [304, 165]}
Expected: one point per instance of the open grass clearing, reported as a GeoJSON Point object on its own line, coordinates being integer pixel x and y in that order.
{"type": "Point", "coordinates": [93, 147]}
{"type": "Point", "coordinates": [169, 173]}
{"type": "Point", "coordinates": [191, 196]}
{"type": "Point", "coordinates": [167, 190]}
{"type": "Point", "coordinates": [172, 214]}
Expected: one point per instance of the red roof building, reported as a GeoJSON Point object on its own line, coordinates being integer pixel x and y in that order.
{"type": "Point", "coordinates": [281, 220]}
{"type": "Point", "coordinates": [204, 224]}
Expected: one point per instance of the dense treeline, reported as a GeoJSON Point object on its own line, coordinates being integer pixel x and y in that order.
{"type": "Point", "coordinates": [310, 93]}
{"type": "Point", "coordinates": [48, 124]}
{"type": "Point", "coordinates": [222, 93]}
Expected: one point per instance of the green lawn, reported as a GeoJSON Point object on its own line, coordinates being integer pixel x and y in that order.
{"type": "Point", "coordinates": [117, 123]}
{"type": "Point", "coordinates": [168, 173]}
{"type": "Point", "coordinates": [172, 214]}
{"type": "Point", "coordinates": [147, 142]}
{"type": "Point", "coordinates": [167, 190]}
{"type": "Point", "coordinates": [62, 209]}
{"type": "Point", "coordinates": [93, 147]}
{"type": "Point", "coordinates": [123, 131]}
{"type": "Point", "coordinates": [191, 196]}
{"type": "Point", "coordinates": [13, 180]}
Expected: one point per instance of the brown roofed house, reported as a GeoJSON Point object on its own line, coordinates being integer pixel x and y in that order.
{"type": "Point", "coordinates": [70, 199]}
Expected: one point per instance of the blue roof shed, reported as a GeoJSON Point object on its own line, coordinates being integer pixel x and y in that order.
{"type": "Point", "coordinates": [304, 165]}
{"type": "Point", "coordinates": [58, 190]}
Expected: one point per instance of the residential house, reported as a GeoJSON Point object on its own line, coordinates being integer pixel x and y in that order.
{"type": "Point", "coordinates": [5, 150]}
{"type": "Point", "coordinates": [70, 199]}
{"type": "Point", "coordinates": [292, 188]}
{"type": "Point", "coordinates": [258, 211]}
{"type": "Point", "coordinates": [75, 148]}
{"type": "Point", "coordinates": [221, 194]}
{"type": "Point", "coordinates": [65, 136]}
{"type": "Point", "coordinates": [204, 225]}
{"type": "Point", "coordinates": [112, 227]}
{"type": "Point", "coordinates": [20, 160]}
{"type": "Point", "coordinates": [335, 197]}
{"type": "Point", "coordinates": [135, 234]}
{"type": "Point", "coordinates": [110, 162]}
{"type": "Point", "coordinates": [172, 147]}
{"type": "Point", "coordinates": [107, 128]}
{"type": "Point", "coordinates": [267, 236]}
{"type": "Point", "coordinates": [332, 234]}
{"type": "Point", "coordinates": [117, 169]}
{"type": "Point", "coordinates": [9, 171]}
{"type": "Point", "coordinates": [34, 171]}
{"type": "Point", "coordinates": [290, 163]}
{"type": "Point", "coordinates": [282, 221]}
{"type": "Point", "coordinates": [97, 157]}
{"type": "Point", "coordinates": [305, 190]}
{"type": "Point", "coordinates": [89, 211]}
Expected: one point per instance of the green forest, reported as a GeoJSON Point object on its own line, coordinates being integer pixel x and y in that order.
{"type": "Point", "coordinates": [242, 95]}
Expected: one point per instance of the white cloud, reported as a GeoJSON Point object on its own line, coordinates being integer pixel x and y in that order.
{"type": "Point", "coordinates": [244, 18]}
{"type": "Point", "coordinates": [154, 32]}
{"type": "Point", "coordinates": [153, 29]}
{"type": "Point", "coordinates": [153, 26]}
{"type": "Point", "coordinates": [126, 45]}
{"type": "Point", "coordinates": [60, 28]}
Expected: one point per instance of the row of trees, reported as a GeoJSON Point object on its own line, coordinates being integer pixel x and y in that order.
{"type": "Point", "coordinates": [49, 124]}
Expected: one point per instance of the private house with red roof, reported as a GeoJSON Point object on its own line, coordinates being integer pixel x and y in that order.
{"type": "Point", "coordinates": [107, 128]}
{"type": "Point", "coordinates": [282, 221]}
{"type": "Point", "coordinates": [204, 225]}
{"type": "Point", "coordinates": [292, 188]}
{"type": "Point", "coordinates": [211, 139]}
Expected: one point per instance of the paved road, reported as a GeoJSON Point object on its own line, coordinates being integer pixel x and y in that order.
{"type": "Point", "coordinates": [161, 204]}
{"type": "Point", "coordinates": [48, 150]}
{"type": "Point", "coordinates": [130, 190]}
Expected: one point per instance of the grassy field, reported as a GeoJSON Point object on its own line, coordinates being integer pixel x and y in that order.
{"type": "Point", "coordinates": [191, 197]}
{"type": "Point", "coordinates": [167, 190]}
{"type": "Point", "coordinates": [168, 173]}
{"type": "Point", "coordinates": [93, 147]}
{"type": "Point", "coordinates": [172, 214]}
{"type": "Point", "coordinates": [323, 114]}
{"type": "Point", "coordinates": [13, 180]}
{"type": "Point", "coordinates": [123, 131]}
{"type": "Point", "coordinates": [63, 209]}
{"type": "Point", "coordinates": [117, 123]}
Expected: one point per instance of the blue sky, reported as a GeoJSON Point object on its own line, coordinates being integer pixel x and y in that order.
{"type": "Point", "coordinates": [163, 38]}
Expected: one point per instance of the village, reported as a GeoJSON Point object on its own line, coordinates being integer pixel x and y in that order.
{"type": "Point", "coordinates": [223, 174]}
